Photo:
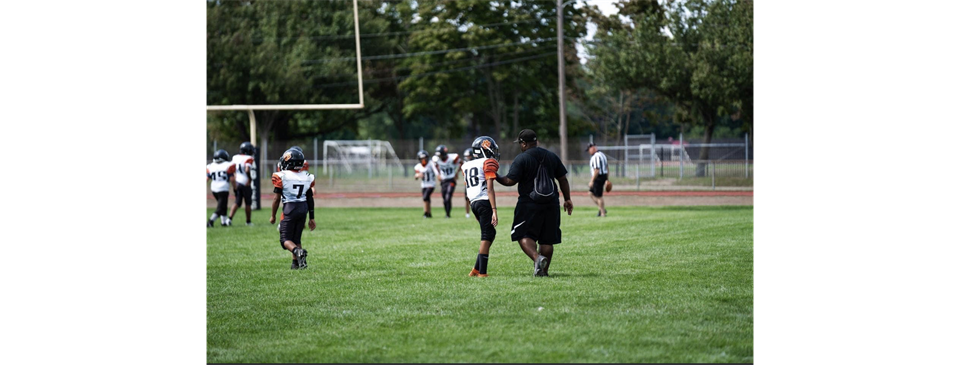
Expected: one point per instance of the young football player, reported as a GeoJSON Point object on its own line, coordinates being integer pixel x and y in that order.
{"type": "Point", "coordinates": [448, 164]}
{"type": "Point", "coordinates": [478, 177]}
{"type": "Point", "coordinates": [426, 172]}
{"type": "Point", "coordinates": [467, 156]}
{"type": "Point", "coordinates": [293, 187]}
{"type": "Point", "coordinates": [306, 167]}
{"type": "Point", "coordinates": [221, 172]}
{"type": "Point", "coordinates": [242, 190]}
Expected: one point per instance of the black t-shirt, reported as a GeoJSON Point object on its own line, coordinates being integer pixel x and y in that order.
{"type": "Point", "coordinates": [524, 170]}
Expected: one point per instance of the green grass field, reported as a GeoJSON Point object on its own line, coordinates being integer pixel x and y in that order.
{"type": "Point", "coordinates": [666, 284]}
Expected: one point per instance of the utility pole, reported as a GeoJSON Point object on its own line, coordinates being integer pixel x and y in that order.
{"type": "Point", "coordinates": [561, 73]}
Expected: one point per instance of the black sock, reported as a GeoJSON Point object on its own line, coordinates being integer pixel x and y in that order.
{"type": "Point", "coordinates": [482, 260]}
{"type": "Point", "coordinates": [476, 265]}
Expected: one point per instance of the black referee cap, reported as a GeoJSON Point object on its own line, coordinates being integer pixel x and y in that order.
{"type": "Point", "coordinates": [590, 145]}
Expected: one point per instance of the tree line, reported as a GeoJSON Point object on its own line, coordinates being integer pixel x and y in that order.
{"type": "Point", "coordinates": [443, 69]}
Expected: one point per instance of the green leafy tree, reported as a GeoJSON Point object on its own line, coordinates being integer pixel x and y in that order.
{"type": "Point", "coordinates": [696, 53]}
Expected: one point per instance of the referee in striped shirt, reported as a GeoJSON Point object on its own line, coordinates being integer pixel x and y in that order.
{"type": "Point", "coordinates": [598, 167]}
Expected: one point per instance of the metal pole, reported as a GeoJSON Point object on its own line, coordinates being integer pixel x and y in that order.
{"type": "Point", "coordinates": [315, 156]}
{"type": "Point", "coordinates": [560, 73]}
{"type": "Point", "coordinates": [661, 162]}
{"type": "Point", "coordinates": [639, 162]}
{"type": "Point", "coordinates": [370, 158]}
{"type": "Point", "coordinates": [626, 158]}
{"type": "Point", "coordinates": [653, 168]}
{"type": "Point", "coordinates": [253, 128]}
{"type": "Point", "coordinates": [356, 32]}
{"type": "Point", "coordinates": [421, 143]}
{"type": "Point", "coordinates": [591, 138]}
{"type": "Point", "coordinates": [681, 156]}
{"type": "Point", "coordinates": [746, 155]}
{"type": "Point", "coordinates": [713, 170]}
{"type": "Point", "coordinates": [214, 146]}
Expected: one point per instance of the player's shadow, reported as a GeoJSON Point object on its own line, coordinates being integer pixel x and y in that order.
{"type": "Point", "coordinates": [575, 275]}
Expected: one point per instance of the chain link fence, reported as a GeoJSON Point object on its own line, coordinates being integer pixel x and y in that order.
{"type": "Point", "coordinates": [634, 164]}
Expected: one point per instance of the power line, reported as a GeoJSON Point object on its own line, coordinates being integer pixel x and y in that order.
{"type": "Point", "coordinates": [441, 71]}
{"type": "Point", "coordinates": [427, 66]}
{"type": "Point", "coordinates": [375, 35]}
{"type": "Point", "coordinates": [424, 53]}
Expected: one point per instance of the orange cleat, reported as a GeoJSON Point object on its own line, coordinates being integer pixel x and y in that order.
{"type": "Point", "coordinates": [482, 275]}
{"type": "Point", "coordinates": [475, 272]}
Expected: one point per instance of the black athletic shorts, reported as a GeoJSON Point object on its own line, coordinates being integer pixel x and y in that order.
{"type": "Point", "coordinates": [222, 198]}
{"type": "Point", "coordinates": [294, 219]}
{"type": "Point", "coordinates": [446, 189]}
{"type": "Point", "coordinates": [243, 193]}
{"type": "Point", "coordinates": [598, 184]}
{"type": "Point", "coordinates": [541, 222]}
{"type": "Point", "coordinates": [426, 193]}
{"type": "Point", "coordinates": [481, 209]}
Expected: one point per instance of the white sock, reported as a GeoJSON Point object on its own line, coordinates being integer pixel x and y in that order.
{"type": "Point", "coordinates": [213, 216]}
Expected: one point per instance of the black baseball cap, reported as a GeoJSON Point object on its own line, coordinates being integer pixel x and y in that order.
{"type": "Point", "coordinates": [526, 135]}
{"type": "Point", "coordinates": [590, 145]}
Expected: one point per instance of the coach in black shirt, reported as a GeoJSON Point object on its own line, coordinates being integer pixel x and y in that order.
{"type": "Point", "coordinates": [537, 222]}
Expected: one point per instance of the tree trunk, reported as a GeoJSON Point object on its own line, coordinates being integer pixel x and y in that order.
{"type": "Point", "coordinates": [516, 113]}
{"type": "Point", "coordinates": [494, 110]}
{"type": "Point", "coordinates": [710, 119]}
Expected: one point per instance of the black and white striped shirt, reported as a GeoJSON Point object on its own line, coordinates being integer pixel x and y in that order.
{"type": "Point", "coordinates": [599, 161]}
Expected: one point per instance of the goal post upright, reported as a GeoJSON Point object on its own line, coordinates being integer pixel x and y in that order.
{"type": "Point", "coordinates": [253, 120]}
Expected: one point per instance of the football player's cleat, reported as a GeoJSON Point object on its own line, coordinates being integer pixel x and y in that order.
{"type": "Point", "coordinates": [468, 215]}
{"type": "Point", "coordinates": [474, 272]}
{"type": "Point", "coordinates": [540, 265]}
{"type": "Point", "coordinates": [482, 275]}
{"type": "Point", "coordinates": [246, 148]}
{"type": "Point", "coordinates": [249, 224]}
{"type": "Point", "coordinates": [301, 255]}
{"type": "Point", "coordinates": [294, 265]}
{"type": "Point", "coordinates": [209, 223]}
{"type": "Point", "coordinates": [229, 222]}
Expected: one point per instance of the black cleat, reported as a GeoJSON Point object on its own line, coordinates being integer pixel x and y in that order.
{"type": "Point", "coordinates": [294, 265]}
{"type": "Point", "coordinates": [209, 224]}
{"type": "Point", "coordinates": [301, 255]}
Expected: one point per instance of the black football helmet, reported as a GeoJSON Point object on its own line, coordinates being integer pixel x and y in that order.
{"type": "Point", "coordinates": [422, 155]}
{"type": "Point", "coordinates": [468, 154]}
{"type": "Point", "coordinates": [296, 148]}
{"type": "Point", "coordinates": [221, 155]}
{"type": "Point", "coordinates": [246, 148]}
{"type": "Point", "coordinates": [292, 160]}
{"type": "Point", "coordinates": [485, 147]}
{"type": "Point", "coordinates": [441, 151]}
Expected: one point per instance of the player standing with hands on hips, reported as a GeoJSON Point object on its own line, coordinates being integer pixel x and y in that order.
{"type": "Point", "coordinates": [536, 219]}
{"type": "Point", "coordinates": [478, 177]}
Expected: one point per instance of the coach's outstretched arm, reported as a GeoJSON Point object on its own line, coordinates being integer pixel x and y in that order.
{"type": "Point", "coordinates": [505, 181]}
{"type": "Point", "coordinates": [565, 189]}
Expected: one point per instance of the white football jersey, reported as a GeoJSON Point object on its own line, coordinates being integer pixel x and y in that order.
{"type": "Point", "coordinates": [475, 174]}
{"type": "Point", "coordinates": [295, 184]}
{"type": "Point", "coordinates": [241, 162]}
{"type": "Point", "coordinates": [220, 173]}
{"type": "Point", "coordinates": [448, 167]}
{"type": "Point", "coordinates": [429, 172]}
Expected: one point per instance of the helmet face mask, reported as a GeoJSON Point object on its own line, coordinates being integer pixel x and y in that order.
{"type": "Point", "coordinates": [221, 155]}
{"type": "Point", "coordinates": [485, 147]}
